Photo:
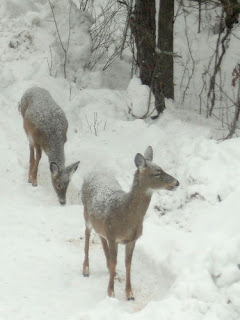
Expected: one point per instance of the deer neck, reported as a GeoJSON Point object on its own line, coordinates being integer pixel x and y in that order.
{"type": "Point", "coordinates": [56, 154]}
{"type": "Point", "coordinates": [139, 197]}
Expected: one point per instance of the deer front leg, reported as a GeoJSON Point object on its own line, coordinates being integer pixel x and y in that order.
{"type": "Point", "coordinates": [128, 261]}
{"type": "Point", "coordinates": [113, 249]}
{"type": "Point", "coordinates": [31, 163]}
{"type": "Point", "coordinates": [106, 250]}
{"type": "Point", "coordinates": [86, 250]}
{"type": "Point", "coordinates": [35, 168]}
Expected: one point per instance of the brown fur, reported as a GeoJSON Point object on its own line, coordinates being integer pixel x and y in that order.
{"type": "Point", "coordinates": [118, 216]}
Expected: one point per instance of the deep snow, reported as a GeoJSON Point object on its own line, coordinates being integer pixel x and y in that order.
{"type": "Point", "coordinates": [187, 263]}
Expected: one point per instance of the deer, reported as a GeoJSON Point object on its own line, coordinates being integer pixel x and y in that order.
{"type": "Point", "coordinates": [117, 216]}
{"type": "Point", "coordinates": [46, 125]}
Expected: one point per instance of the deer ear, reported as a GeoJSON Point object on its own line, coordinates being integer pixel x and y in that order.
{"type": "Point", "coordinates": [72, 168]}
{"type": "Point", "coordinates": [140, 162]}
{"type": "Point", "coordinates": [54, 168]}
{"type": "Point", "coordinates": [148, 155]}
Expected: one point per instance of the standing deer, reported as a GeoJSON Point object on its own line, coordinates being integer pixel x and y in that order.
{"type": "Point", "coordinates": [46, 127]}
{"type": "Point", "coordinates": [117, 216]}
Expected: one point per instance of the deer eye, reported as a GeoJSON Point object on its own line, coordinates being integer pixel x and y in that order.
{"type": "Point", "coordinates": [157, 174]}
{"type": "Point", "coordinates": [59, 186]}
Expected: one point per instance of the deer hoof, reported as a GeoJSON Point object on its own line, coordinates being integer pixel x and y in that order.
{"type": "Point", "coordinates": [131, 299]}
{"type": "Point", "coordinates": [86, 275]}
{"type": "Point", "coordinates": [85, 271]}
{"type": "Point", "coordinates": [33, 181]}
{"type": "Point", "coordinates": [111, 293]}
{"type": "Point", "coordinates": [130, 296]}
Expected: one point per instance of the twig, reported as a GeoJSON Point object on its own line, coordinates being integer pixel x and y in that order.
{"type": "Point", "coordinates": [88, 123]}
{"type": "Point", "coordinates": [129, 9]}
{"type": "Point", "coordinates": [65, 50]}
{"type": "Point", "coordinates": [193, 61]}
{"type": "Point", "coordinates": [50, 65]}
{"type": "Point", "coordinates": [217, 64]}
{"type": "Point", "coordinates": [167, 53]}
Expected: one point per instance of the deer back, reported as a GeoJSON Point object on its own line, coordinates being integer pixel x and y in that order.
{"type": "Point", "coordinates": [44, 121]}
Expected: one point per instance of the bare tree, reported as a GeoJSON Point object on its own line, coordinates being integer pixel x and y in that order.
{"type": "Point", "coordinates": [220, 102]}
{"type": "Point", "coordinates": [155, 56]}
{"type": "Point", "coordinates": [107, 38]}
{"type": "Point", "coordinates": [165, 47]}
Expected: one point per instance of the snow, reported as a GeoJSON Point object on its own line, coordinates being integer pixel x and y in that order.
{"type": "Point", "coordinates": [101, 192]}
{"type": "Point", "coordinates": [138, 97]}
{"type": "Point", "coordinates": [186, 265]}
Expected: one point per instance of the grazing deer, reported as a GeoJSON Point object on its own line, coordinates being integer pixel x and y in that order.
{"type": "Point", "coordinates": [117, 216]}
{"type": "Point", "coordinates": [46, 126]}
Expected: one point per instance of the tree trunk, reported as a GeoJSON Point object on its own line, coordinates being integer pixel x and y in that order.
{"type": "Point", "coordinates": [165, 45]}
{"type": "Point", "coordinates": [156, 68]}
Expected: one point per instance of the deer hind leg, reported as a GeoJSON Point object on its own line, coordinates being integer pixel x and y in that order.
{"type": "Point", "coordinates": [86, 250]}
{"type": "Point", "coordinates": [113, 249]}
{"type": "Point", "coordinates": [35, 168]}
{"type": "Point", "coordinates": [128, 261]}
{"type": "Point", "coordinates": [106, 250]}
{"type": "Point", "coordinates": [31, 163]}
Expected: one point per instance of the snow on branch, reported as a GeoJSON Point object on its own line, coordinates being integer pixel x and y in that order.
{"type": "Point", "coordinates": [167, 53]}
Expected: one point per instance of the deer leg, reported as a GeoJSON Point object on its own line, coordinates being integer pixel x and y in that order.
{"type": "Point", "coordinates": [35, 168]}
{"type": "Point", "coordinates": [31, 163]}
{"type": "Point", "coordinates": [113, 249]}
{"type": "Point", "coordinates": [128, 261]}
{"type": "Point", "coordinates": [86, 250]}
{"type": "Point", "coordinates": [105, 249]}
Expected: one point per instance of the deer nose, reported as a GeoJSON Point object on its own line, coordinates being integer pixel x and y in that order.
{"type": "Point", "coordinates": [62, 202]}
{"type": "Point", "coordinates": [177, 183]}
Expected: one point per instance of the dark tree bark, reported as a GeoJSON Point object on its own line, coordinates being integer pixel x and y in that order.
{"type": "Point", "coordinates": [143, 27]}
{"type": "Point", "coordinates": [165, 44]}
{"type": "Point", "coordinates": [232, 10]}
{"type": "Point", "coordinates": [156, 66]}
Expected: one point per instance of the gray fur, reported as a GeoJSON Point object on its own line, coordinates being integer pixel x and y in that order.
{"type": "Point", "coordinates": [46, 126]}
{"type": "Point", "coordinates": [38, 105]}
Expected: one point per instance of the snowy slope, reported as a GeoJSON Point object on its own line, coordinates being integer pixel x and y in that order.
{"type": "Point", "coordinates": [186, 264]}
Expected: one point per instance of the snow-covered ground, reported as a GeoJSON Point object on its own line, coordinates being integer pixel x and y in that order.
{"type": "Point", "coordinates": [187, 263]}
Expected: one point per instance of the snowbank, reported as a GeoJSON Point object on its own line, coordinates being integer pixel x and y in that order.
{"type": "Point", "coordinates": [186, 264]}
